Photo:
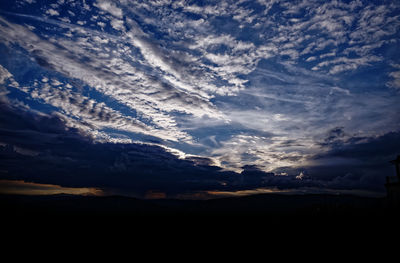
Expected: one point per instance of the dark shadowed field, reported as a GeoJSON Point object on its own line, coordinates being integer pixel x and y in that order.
{"type": "Point", "coordinates": [273, 206]}
{"type": "Point", "coordinates": [266, 217]}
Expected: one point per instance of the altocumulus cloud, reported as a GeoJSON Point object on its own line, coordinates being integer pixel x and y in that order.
{"type": "Point", "coordinates": [41, 149]}
{"type": "Point", "coordinates": [283, 87]}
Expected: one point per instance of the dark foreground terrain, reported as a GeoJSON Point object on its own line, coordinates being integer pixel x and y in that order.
{"type": "Point", "coordinates": [257, 215]}
{"type": "Point", "coordinates": [266, 205]}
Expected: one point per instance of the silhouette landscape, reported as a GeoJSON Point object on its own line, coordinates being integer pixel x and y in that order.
{"type": "Point", "coordinates": [280, 110]}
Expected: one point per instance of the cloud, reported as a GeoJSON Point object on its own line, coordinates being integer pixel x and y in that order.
{"type": "Point", "coordinates": [102, 76]}
{"type": "Point", "coordinates": [76, 105]}
{"type": "Point", "coordinates": [264, 83]}
{"type": "Point", "coordinates": [186, 62]}
{"type": "Point", "coordinates": [267, 153]}
{"type": "Point", "coordinates": [356, 162]}
{"type": "Point", "coordinates": [347, 162]}
{"type": "Point", "coordinates": [395, 83]}
{"type": "Point", "coordinates": [334, 135]}
{"type": "Point", "coordinates": [395, 75]}
{"type": "Point", "coordinates": [343, 63]}
{"type": "Point", "coordinates": [52, 12]}
{"type": "Point", "coordinates": [109, 7]}
{"type": "Point", "coordinates": [116, 167]}
{"type": "Point", "coordinates": [4, 74]}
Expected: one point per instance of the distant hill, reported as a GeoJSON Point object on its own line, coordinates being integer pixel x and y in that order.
{"type": "Point", "coordinates": [271, 205]}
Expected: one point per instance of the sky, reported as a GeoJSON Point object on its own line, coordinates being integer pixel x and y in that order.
{"type": "Point", "coordinates": [195, 98]}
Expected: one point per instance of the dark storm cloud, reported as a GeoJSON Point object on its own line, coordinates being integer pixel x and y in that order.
{"type": "Point", "coordinates": [257, 86]}
{"type": "Point", "coordinates": [334, 135]}
{"type": "Point", "coordinates": [40, 148]}
{"type": "Point", "coordinates": [203, 161]}
{"type": "Point", "coordinates": [69, 157]}
{"type": "Point", "coordinates": [366, 149]}
{"type": "Point", "coordinates": [356, 162]}
{"type": "Point", "coordinates": [43, 62]}
{"type": "Point", "coordinates": [25, 128]}
{"type": "Point", "coordinates": [253, 175]}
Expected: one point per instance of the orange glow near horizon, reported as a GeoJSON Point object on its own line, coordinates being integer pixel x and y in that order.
{"type": "Point", "coordinates": [245, 192]}
{"type": "Point", "coordinates": [21, 187]}
{"type": "Point", "coordinates": [153, 194]}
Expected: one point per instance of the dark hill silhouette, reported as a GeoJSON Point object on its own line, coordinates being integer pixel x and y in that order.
{"type": "Point", "coordinates": [271, 205]}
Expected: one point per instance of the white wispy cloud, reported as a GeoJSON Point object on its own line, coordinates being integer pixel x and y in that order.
{"type": "Point", "coordinates": [109, 7]}
{"type": "Point", "coordinates": [4, 74]}
{"type": "Point", "coordinates": [85, 109]}
{"type": "Point", "coordinates": [52, 12]}
{"type": "Point", "coordinates": [271, 66]}
{"type": "Point", "coordinates": [120, 80]}
{"type": "Point", "coordinates": [395, 77]}
{"type": "Point", "coordinates": [266, 153]}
